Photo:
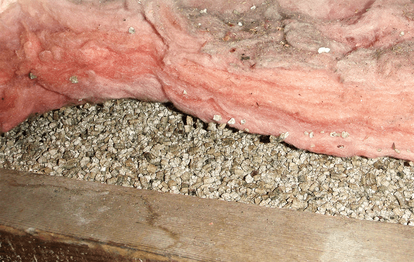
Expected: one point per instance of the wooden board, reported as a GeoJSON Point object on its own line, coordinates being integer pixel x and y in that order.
{"type": "Point", "coordinates": [124, 224]}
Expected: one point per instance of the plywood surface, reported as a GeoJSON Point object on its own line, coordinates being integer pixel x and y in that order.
{"type": "Point", "coordinates": [145, 224]}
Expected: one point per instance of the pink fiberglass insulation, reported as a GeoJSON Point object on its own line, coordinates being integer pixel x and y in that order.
{"type": "Point", "coordinates": [333, 77]}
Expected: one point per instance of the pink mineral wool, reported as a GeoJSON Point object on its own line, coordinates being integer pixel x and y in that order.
{"type": "Point", "coordinates": [332, 77]}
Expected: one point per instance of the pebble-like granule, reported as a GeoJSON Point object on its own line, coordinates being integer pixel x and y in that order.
{"type": "Point", "coordinates": [153, 146]}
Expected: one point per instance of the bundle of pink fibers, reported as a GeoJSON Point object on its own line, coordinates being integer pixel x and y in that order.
{"type": "Point", "coordinates": [334, 78]}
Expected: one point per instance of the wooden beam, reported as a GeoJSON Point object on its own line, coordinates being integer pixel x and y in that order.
{"type": "Point", "coordinates": [125, 224]}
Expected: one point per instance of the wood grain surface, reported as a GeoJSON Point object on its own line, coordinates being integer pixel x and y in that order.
{"type": "Point", "coordinates": [132, 224]}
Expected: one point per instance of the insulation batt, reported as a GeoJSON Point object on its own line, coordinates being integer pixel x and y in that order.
{"type": "Point", "coordinates": [333, 77]}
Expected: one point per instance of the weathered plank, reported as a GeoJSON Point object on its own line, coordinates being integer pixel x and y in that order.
{"type": "Point", "coordinates": [145, 224]}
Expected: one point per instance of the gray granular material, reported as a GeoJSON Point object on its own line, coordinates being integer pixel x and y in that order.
{"type": "Point", "coordinates": [154, 146]}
